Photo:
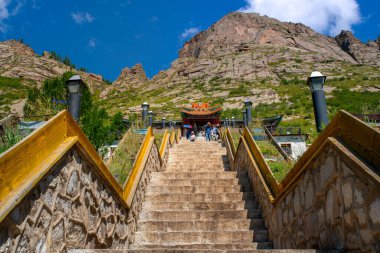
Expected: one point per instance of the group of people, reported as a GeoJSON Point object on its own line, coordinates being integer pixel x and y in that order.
{"type": "Point", "coordinates": [211, 132]}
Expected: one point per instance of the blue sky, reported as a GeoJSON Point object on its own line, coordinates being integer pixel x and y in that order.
{"type": "Point", "coordinates": [105, 36]}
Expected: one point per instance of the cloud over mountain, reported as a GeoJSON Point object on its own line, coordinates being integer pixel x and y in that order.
{"type": "Point", "coordinates": [325, 16]}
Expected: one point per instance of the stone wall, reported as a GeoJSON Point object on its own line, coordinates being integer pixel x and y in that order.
{"type": "Point", "coordinates": [333, 205]}
{"type": "Point", "coordinates": [152, 165]}
{"type": "Point", "coordinates": [166, 155]}
{"type": "Point", "coordinates": [73, 208]}
{"type": "Point", "coordinates": [70, 207]}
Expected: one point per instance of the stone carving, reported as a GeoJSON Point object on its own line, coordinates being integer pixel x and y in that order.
{"type": "Point", "coordinates": [71, 207]}
{"type": "Point", "coordinates": [333, 205]}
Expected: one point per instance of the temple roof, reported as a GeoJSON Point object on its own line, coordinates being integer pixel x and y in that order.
{"type": "Point", "coordinates": [201, 109]}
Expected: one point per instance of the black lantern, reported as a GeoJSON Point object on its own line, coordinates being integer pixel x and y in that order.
{"type": "Point", "coordinates": [74, 85]}
{"type": "Point", "coordinates": [316, 82]}
{"type": "Point", "coordinates": [150, 113]}
{"type": "Point", "coordinates": [163, 122]}
{"type": "Point", "coordinates": [244, 113]}
{"type": "Point", "coordinates": [248, 106]}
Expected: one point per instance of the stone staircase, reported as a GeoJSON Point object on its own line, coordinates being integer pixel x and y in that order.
{"type": "Point", "coordinates": [197, 204]}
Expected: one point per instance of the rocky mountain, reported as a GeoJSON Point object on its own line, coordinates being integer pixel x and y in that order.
{"type": "Point", "coordinates": [249, 56]}
{"type": "Point", "coordinates": [131, 78]}
{"type": "Point", "coordinates": [18, 60]}
{"type": "Point", "coordinates": [362, 53]}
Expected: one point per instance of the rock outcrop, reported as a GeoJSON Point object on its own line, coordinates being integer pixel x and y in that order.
{"type": "Point", "coordinates": [249, 46]}
{"type": "Point", "coordinates": [362, 53]}
{"type": "Point", "coordinates": [131, 78]}
{"type": "Point", "coordinates": [19, 60]}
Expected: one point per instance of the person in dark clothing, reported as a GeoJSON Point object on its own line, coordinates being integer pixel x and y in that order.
{"type": "Point", "coordinates": [195, 129]}
{"type": "Point", "coordinates": [188, 133]}
{"type": "Point", "coordinates": [208, 131]}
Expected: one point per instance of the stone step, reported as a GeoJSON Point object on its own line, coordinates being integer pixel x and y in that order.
{"type": "Point", "coordinates": [207, 156]}
{"type": "Point", "coordinates": [262, 247]}
{"type": "Point", "coordinates": [174, 249]}
{"type": "Point", "coordinates": [207, 246]}
{"type": "Point", "coordinates": [198, 175]}
{"type": "Point", "coordinates": [248, 236]}
{"type": "Point", "coordinates": [198, 206]}
{"type": "Point", "coordinates": [193, 182]}
{"type": "Point", "coordinates": [196, 169]}
{"type": "Point", "coordinates": [198, 163]}
{"type": "Point", "coordinates": [208, 225]}
{"type": "Point", "coordinates": [198, 189]}
{"type": "Point", "coordinates": [198, 152]}
{"type": "Point", "coordinates": [198, 197]}
{"type": "Point", "coordinates": [200, 215]}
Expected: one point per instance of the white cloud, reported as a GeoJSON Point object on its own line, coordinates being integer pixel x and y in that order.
{"type": "Point", "coordinates": [92, 43]}
{"type": "Point", "coordinates": [4, 13]}
{"type": "Point", "coordinates": [325, 16]}
{"type": "Point", "coordinates": [189, 33]}
{"type": "Point", "coordinates": [9, 8]}
{"type": "Point", "coordinates": [82, 17]}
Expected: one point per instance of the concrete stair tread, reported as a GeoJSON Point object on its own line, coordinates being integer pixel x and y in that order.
{"type": "Point", "coordinates": [209, 246]}
{"type": "Point", "coordinates": [203, 205]}
{"type": "Point", "coordinates": [200, 215]}
{"type": "Point", "coordinates": [246, 236]}
{"type": "Point", "coordinates": [198, 175]}
{"type": "Point", "coordinates": [196, 225]}
{"type": "Point", "coordinates": [169, 249]}
{"type": "Point", "coordinates": [197, 197]}
{"type": "Point", "coordinates": [192, 182]}
{"type": "Point", "coordinates": [195, 189]}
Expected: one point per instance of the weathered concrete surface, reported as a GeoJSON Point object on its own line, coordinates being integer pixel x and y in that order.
{"type": "Point", "coordinates": [333, 205]}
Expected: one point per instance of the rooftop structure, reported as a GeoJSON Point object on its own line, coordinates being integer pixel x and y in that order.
{"type": "Point", "coordinates": [200, 114]}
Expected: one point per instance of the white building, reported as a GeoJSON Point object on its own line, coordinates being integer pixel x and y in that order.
{"type": "Point", "coordinates": [293, 145]}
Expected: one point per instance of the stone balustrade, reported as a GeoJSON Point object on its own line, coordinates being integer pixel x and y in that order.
{"type": "Point", "coordinates": [71, 200]}
{"type": "Point", "coordinates": [330, 202]}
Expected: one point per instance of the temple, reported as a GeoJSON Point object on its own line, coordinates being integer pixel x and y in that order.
{"type": "Point", "coordinates": [200, 114]}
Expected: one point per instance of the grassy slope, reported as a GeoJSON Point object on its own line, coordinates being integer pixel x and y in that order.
{"type": "Point", "coordinates": [11, 90]}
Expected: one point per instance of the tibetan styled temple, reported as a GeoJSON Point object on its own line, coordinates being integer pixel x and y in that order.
{"type": "Point", "coordinates": [200, 114]}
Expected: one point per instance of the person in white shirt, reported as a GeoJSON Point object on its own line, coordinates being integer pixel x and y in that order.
{"type": "Point", "coordinates": [192, 136]}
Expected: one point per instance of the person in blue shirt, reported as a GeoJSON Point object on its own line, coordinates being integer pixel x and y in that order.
{"type": "Point", "coordinates": [208, 131]}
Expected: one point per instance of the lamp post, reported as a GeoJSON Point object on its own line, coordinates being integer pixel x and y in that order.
{"type": "Point", "coordinates": [145, 108]}
{"type": "Point", "coordinates": [163, 122]}
{"type": "Point", "coordinates": [316, 82]}
{"type": "Point", "coordinates": [233, 121]}
{"type": "Point", "coordinates": [150, 113]}
{"type": "Point", "coordinates": [73, 85]}
{"type": "Point", "coordinates": [248, 106]}
{"type": "Point", "coordinates": [244, 117]}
